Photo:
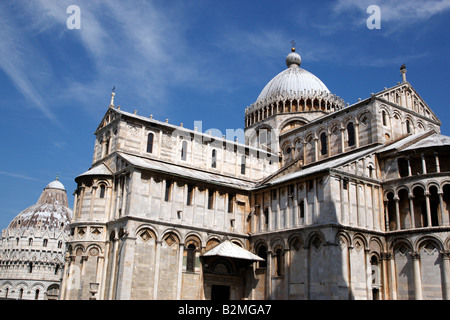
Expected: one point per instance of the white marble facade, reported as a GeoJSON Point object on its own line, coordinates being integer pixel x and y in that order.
{"type": "Point", "coordinates": [341, 202]}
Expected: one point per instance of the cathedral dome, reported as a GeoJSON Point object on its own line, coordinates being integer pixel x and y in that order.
{"type": "Point", "coordinates": [294, 81]}
{"type": "Point", "coordinates": [50, 212]}
{"type": "Point", "coordinates": [294, 90]}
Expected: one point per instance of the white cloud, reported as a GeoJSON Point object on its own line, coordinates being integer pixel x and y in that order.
{"type": "Point", "coordinates": [17, 175]}
{"type": "Point", "coordinates": [14, 48]}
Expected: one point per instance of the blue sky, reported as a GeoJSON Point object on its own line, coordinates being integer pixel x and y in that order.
{"type": "Point", "coordinates": [190, 60]}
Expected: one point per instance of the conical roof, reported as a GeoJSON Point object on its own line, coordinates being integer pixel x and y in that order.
{"type": "Point", "coordinates": [50, 212]}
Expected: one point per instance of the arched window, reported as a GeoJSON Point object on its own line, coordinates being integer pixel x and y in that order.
{"type": "Point", "coordinates": [30, 267]}
{"type": "Point", "coordinates": [44, 242]}
{"type": "Point", "coordinates": [30, 241]}
{"type": "Point", "coordinates": [184, 150]}
{"type": "Point", "coordinates": [214, 158]}
{"type": "Point", "coordinates": [262, 252]}
{"type": "Point", "coordinates": [102, 191]}
{"type": "Point", "coordinates": [243, 165]}
{"type": "Point", "coordinates": [59, 244]}
{"type": "Point", "coordinates": [302, 209]}
{"type": "Point", "coordinates": [279, 264]}
{"type": "Point", "coordinates": [36, 294]}
{"type": "Point", "coordinates": [351, 134]}
{"type": "Point", "coordinates": [190, 257]}
{"type": "Point", "coordinates": [323, 144]}
{"type": "Point", "coordinates": [408, 127]}
{"type": "Point", "coordinates": [20, 293]}
{"type": "Point", "coordinates": [150, 138]}
{"type": "Point", "coordinates": [384, 118]}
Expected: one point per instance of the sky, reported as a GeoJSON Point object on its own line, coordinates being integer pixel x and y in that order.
{"type": "Point", "coordinates": [188, 61]}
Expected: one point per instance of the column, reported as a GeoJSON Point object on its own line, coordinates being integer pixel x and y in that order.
{"type": "Point", "coordinates": [427, 201]}
{"type": "Point", "coordinates": [411, 209]}
{"type": "Point", "coordinates": [342, 140]}
{"type": "Point", "coordinates": [357, 134]}
{"type": "Point", "coordinates": [393, 282]}
{"type": "Point", "coordinates": [436, 157]}
{"type": "Point", "coordinates": [397, 212]}
{"type": "Point", "coordinates": [446, 274]}
{"type": "Point", "coordinates": [295, 210]}
{"type": "Point", "coordinates": [409, 166]}
{"type": "Point", "coordinates": [385, 277]}
{"type": "Point", "coordinates": [424, 165]}
{"type": "Point", "coordinates": [269, 275]}
{"type": "Point", "coordinates": [180, 270]}
{"type": "Point", "coordinates": [156, 278]}
{"type": "Point", "coordinates": [386, 215]}
{"type": "Point", "coordinates": [417, 279]}
{"type": "Point", "coordinates": [278, 213]}
{"type": "Point", "coordinates": [442, 207]}
{"type": "Point", "coordinates": [316, 149]}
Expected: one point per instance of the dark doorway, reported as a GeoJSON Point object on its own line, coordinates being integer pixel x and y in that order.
{"type": "Point", "coordinates": [220, 292]}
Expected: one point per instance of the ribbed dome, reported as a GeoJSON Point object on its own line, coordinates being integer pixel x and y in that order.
{"type": "Point", "coordinates": [292, 81]}
{"type": "Point", "coordinates": [51, 210]}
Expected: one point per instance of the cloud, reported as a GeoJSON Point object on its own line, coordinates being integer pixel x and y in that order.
{"type": "Point", "coordinates": [16, 175]}
{"type": "Point", "coordinates": [14, 48]}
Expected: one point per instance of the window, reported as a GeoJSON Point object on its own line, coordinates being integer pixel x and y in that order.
{"type": "Point", "coordinates": [302, 209]}
{"type": "Point", "coordinates": [266, 217]}
{"type": "Point", "coordinates": [231, 198]}
{"type": "Point", "coordinates": [190, 258]}
{"type": "Point", "coordinates": [279, 263]}
{"type": "Point", "coordinates": [383, 115]}
{"type": "Point", "coordinates": [408, 127]}
{"type": "Point", "coordinates": [59, 244]}
{"type": "Point", "coordinates": [36, 294]}
{"type": "Point", "coordinates": [210, 199]}
{"type": "Point", "coordinates": [243, 160]}
{"type": "Point", "coordinates": [351, 134]}
{"type": "Point", "coordinates": [214, 159]}
{"type": "Point", "coordinates": [262, 252]}
{"type": "Point", "coordinates": [184, 150]}
{"type": "Point", "coordinates": [167, 191]}
{"type": "Point", "coordinates": [44, 243]}
{"type": "Point", "coordinates": [30, 267]}
{"type": "Point", "coordinates": [102, 191]}
{"type": "Point", "coordinates": [30, 241]}
{"type": "Point", "coordinates": [190, 190]}
{"type": "Point", "coordinates": [150, 138]}
{"type": "Point", "coordinates": [323, 144]}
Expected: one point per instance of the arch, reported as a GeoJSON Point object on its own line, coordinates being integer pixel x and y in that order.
{"type": "Point", "coordinates": [362, 238]}
{"type": "Point", "coordinates": [171, 231]}
{"type": "Point", "coordinates": [277, 242]}
{"type": "Point", "coordinates": [292, 123]}
{"type": "Point", "coordinates": [421, 241]}
{"type": "Point", "coordinates": [315, 239]}
{"type": "Point", "coordinates": [399, 242]}
{"type": "Point", "coordinates": [351, 141]}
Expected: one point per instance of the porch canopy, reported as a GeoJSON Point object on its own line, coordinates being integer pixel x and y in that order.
{"type": "Point", "coordinates": [230, 250]}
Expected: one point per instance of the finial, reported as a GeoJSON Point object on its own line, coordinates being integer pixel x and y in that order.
{"type": "Point", "coordinates": [57, 177]}
{"type": "Point", "coordinates": [293, 58]}
{"type": "Point", "coordinates": [112, 97]}
{"type": "Point", "coordinates": [403, 72]}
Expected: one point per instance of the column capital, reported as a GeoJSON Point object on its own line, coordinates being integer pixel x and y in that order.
{"type": "Point", "coordinates": [415, 255]}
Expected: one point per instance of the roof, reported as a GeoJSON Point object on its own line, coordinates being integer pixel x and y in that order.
{"type": "Point", "coordinates": [177, 170]}
{"type": "Point", "coordinates": [100, 170]}
{"type": "Point", "coordinates": [323, 166]}
{"type": "Point", "coordinates": [55, 185]}
{"type": "Point", "coordinates": [230, 250]}
{"type": "Point", "coordinates": [435, 140]}
{"type": "Point", "coordinates": [292, 81]}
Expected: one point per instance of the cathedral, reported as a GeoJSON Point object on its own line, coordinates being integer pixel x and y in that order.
{"type": "Point", "coordinates": [323, 200]}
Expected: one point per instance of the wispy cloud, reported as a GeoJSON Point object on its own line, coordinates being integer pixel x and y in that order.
{"type": "Point", "coordinates": [14, 49]}
{"type": "Point", "coordinates": [17, 175]}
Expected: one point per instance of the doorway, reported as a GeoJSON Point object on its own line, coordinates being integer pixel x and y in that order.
{"type": "Point", "coordinates": [220, 292]}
